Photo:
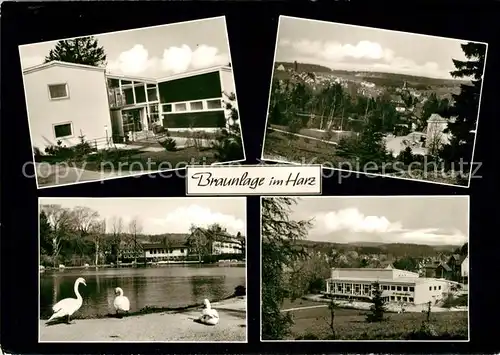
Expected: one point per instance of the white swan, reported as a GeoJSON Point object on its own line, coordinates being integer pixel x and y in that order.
{"type": "Point", "coordinates": [209, 315]}
{"type": "Point", "coordinates": [121, 302]}
{"type": "Point", "coordinates": [68, 306]}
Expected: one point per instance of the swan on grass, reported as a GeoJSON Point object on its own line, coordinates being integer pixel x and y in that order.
{"type": "Point", "coordinates": [209, 315]}
{"type": "Point", "coordinates": [121, 303]}
{"type": "Point", "coordinates": [68, 306]}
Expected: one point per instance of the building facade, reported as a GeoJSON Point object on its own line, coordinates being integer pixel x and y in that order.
{"type": "Point", "coordinates": [67, 101]}
{"type": "Point", "coordinates": [396, 285]}
{"type": "Point", "coordinates": [230, 246]}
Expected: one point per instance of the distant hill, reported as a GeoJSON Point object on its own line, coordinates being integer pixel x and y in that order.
{"type": "Point", "coordinates": [395, 249]}
{"type": "Point", "coordinates": [304, 67]}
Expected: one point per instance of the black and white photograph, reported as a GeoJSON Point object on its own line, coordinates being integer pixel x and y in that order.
{"type": "Point", "coordinates": [385, 268]}
{"type": "Point", "coordinates": [142, 270]}
{"type": "Point", "coordinates": [131, 102]}
{"type": "Point", "coordinates": [374, 101]}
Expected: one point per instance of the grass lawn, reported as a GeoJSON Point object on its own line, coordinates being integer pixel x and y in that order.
{"type": "Point", "coordinates": [336, 136]}
{"type": "Point", "coordinates": [136, 160]}
{"type": "Point", "coordinates": [350, 324]}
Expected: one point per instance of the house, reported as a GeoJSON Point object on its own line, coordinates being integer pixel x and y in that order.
{"type": "Point", "coordinates": [67, 102]}
{"type": "Point", "coordinates": [455, 262]}
{"type": "Point", "coordinates": [397, 285]}
{"type": "Point", "coordinates": [164, 252]}
{"type": "Point", "coordinates": [443, 271]}
{"type": "Point", "coordinates": [436, 126]}
{"type": "Point", "coordinates": [464, 268]}
{"type": "Point", "coordinates": [227, 246]}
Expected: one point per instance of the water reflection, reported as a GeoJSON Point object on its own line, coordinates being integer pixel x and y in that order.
{"type": "Point", "coordinates": [169, 286]}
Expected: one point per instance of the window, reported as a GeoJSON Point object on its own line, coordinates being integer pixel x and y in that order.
{"type": "Point", "coordinates": [182, 251]}
{"type": "Point", "coordinates": [399, 298]}
{"type": "Point", "coordinates": [434, 288]}
{"type": "Point", "coordinates": [63, 130]}
{"type": "Point", "coordinates": [385, 287]}
{"type": "Point", "coordinates": [430, 288]}
{"type": "Point", "coordinates": [412, 289]}
{"type": "Point", "coordinates": [405, 299]}
{"type": "Point", "coordinates": [196, 106]}
{"type": "Point", "coordinates": [152, 94]}
{"type": "Point", "coordinates": [439, 287]}
{"type": "Point", "coordinates": [214, 104]}
{"type": "Point", "coordinates": [405, 288]}
{"type": "Point", "coordinates": [392, 298]}
{"type": "Point", "coordinates": [58, 91]}
{"type": "Point", "coordinates": [399, 288]}
{"type": "Point", "coordinates": [393, 288]}
{"type": "Point", "coordinates": [410, 299]}
{"type": "Point", "coordinates": [167, 108]}
{"type": "Point", "coordinates": [180, 107]}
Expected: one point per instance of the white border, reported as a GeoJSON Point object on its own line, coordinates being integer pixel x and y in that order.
{"type": "Point", "coordinates": [385, 30]}
{"type": "Point", "coordinates": [244, 201]}
{"type": "Point", "coordinates": [367, 340]}
{"type": "Point", "coordinates": [144, 172]}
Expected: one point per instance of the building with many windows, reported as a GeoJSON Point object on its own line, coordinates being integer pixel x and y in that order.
{"type": "Point", "coordinates": [67, 101]}
{"type": "Point", "coordinates": [396, 285]}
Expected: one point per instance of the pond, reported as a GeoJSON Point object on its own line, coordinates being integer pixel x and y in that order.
{"type": "Point", "coordinates": [167, 286]}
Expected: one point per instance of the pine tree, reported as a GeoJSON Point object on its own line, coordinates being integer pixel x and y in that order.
{"type": "Point", "coordinates": [82, 50]}
{"type": "Point", "coordinates": [279, 234]}
{"type": "Point", "coordinates": [378, 307]}
{"type": "Point", "coordinates": [466, 105]}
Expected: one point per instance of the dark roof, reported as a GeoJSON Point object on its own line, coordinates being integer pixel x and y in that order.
{"type": "Point", "coordinates": [444, 266]}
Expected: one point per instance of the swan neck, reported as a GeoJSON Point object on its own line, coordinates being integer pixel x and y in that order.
{"type": "Point", "coordinates": [78, 296]}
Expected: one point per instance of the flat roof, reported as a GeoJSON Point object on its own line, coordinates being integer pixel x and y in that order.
{"type": "Point", "coordinates": [61, 64]}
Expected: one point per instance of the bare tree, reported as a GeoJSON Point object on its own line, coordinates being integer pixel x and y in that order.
{"type": "Point", "coordinates": [117, 235]}
{"type": "Point", "coordinates": [135, 228]}
{"type": "Point", "coordinates": [98, 230]}
{"type": "Point", "coordinates": [59, 219]}
{"type": "Point", "coordinates": [84, 220]}
{"type": "Point", "coordinates": [198, 241]}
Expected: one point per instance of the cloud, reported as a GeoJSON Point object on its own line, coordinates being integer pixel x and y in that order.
{"type": "Point", "coordinates": [350, 225]}
{"type": "Point", "coordinates": [30, 61]}
{"type": "Point", "coordinates": [137, 60]}
{"type": "Point", "coordinates": [351, 219]}
{"type": "Point", "coordinates": [181, 219]}
{"type": "Point", "coordinates": [364, 55]}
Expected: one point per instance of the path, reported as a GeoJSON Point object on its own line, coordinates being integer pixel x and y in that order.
{"type": "Point", "coordinates": [160, 327]}
{"type": "Point", "coordinates": [303, 136]}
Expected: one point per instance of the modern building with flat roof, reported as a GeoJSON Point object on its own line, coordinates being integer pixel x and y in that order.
{"type": "Point", "coordinates": [67, 101]}
{"type": "Point", "coordinates": [396, 285]}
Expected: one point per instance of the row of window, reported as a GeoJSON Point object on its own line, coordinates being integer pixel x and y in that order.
{"type": "Point", "coordinates": [398, 288]}
{"type": "Point", "coordinates": [435, 289]}
{"type": "Point", "coordinates": [164, 251]}
{"type": "Point", "coordinates": [367, 287]}
{"type": "Point", "coordinates": [213, 104]}
{"type": "Point", "coordinates": [402, 298]}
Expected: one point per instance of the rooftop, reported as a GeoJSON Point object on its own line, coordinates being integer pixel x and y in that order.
{"type": "Point", "coordinates": [126, 77]}
{"type": "Point", "coordinates": [399, 280]}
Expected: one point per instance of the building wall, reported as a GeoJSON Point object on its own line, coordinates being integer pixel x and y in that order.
{"type": "Point", "coordinates": [86, 108]}
{"type": "Point", "coordinates": [226, 248]}
{"type": "Point", "coordinates": [431, 290]}
{"type": "Point", "coordinates": [227, 81]}
{"type": "Point", "coordinates": [198, 87]}
{"type": "Point", "coordinates": [164, 253]}
{"type": "Point", "coordinates": [465, 267]}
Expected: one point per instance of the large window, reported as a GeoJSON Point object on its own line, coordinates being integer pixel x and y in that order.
{"type": "Point", "coordinates": [63, 130]}
{"type": "Point", "coordinates": [182, 107]}
{"type": "Point", "coordinates": [196, 106]}
{"type": "Point", "coordinates": [214, 104]}
{"type": "Point", "coordinates": [58, 91]}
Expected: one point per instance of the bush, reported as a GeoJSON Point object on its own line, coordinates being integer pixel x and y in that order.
{"type": "Point", "coordinates": [169, 144]}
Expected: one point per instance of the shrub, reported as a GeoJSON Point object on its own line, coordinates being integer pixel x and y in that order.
{"type": "Point", "coordinates": [169, 144]}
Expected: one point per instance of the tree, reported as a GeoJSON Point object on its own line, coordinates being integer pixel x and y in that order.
{"type": "Point", "coordinates": [377, 309]}
{"type": "Point", "coordinates": [82, 50]}
{"type": "Point", "coordinates": [97, 234]}
{"type": "Point", "coordinates": [84, 221]}
{"type": "Point", "coordinates": [279, 251]}
{"type": "Point", "coordinates": [242, 242]}
{"type": "Point", "coordinates": [59, 219]}
{"type": "Point", "coordinates": [116, 236]}
{"type": "Point", "coordinates": [228, 145]}
{"type": "Point", "coordinates": [408, 263]}
{"type": "Point", "coordinates": [45, 234]}
{"type": "Point", "coordinates": [465, 107]}
{"type": "Point", "coordinates": [198, 242]}
{"type": "Point", "coordinates": [134, 229]}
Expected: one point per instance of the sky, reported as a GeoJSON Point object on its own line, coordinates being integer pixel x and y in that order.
{"type": "Point", "coordinates": [165, 215]}
{"type": "Point", "coordinates": [435, 220]}
{"type": "Point", "coordinates": [347, 47]}
{"type": "Point", "coordinates": [154, 51]}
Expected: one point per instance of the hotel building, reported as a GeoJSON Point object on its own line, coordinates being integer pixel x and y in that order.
{"type": "Point", "coordinates": [396, 285]}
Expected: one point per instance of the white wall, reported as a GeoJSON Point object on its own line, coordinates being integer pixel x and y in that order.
{"type": "Point", "coordinates": [227, 81]}
{"type": "Point", "coordinates": [465, 267]}
{"type": "Point", "coordinates": [423, 294]}
{"type": "Point", "coordinates": [164, 253]}
{"type": "Point", "coordinates": [87, 107]}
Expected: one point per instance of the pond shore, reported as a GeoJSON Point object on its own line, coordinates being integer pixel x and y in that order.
{"type": "Point", "coordinates": [161, 327]}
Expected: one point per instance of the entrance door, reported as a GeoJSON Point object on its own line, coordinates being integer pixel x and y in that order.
{"type": "Point", "coordinates": [131, 120]}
